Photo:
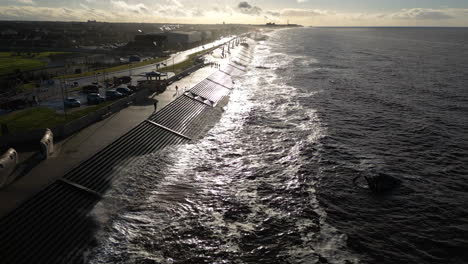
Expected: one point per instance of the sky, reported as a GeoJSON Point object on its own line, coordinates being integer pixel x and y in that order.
{"type": "Point", "coordinates": [304, 12]}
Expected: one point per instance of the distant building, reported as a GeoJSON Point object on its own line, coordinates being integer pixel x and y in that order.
{"type": "Point", "coordinates": [180, 39]}
{"type": "Point", "coordinates": [207, 35]}
{"type": "Point", "coordinates": [272, 24]}
{"type": "Point", "coordinates": [151, 40]}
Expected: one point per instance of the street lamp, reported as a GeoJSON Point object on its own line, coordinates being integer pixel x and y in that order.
{"type": "Point", "coordinates": [63, 98]}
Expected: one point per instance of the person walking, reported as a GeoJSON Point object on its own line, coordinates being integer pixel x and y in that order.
{"type": "Point", "coordinates": [177, 90]}
{"type": "Point", "coordinates": [155, 105]}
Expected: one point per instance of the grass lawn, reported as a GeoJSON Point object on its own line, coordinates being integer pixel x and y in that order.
{"type": "Point", "coordinates": [27, 87]}
{"type": "Point", "coordinates": [30, 119]}
{"type": "Point", "coordinates": [10, 64]}
{"type": "Point", "coordinates": [42, 117]}
{"type": "Point", "coordinates": [11, 61]}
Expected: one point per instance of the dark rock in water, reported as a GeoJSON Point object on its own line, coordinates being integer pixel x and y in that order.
{"type": "Point", "coordinates": [380, 183]}
{"type": "Point", "coordinates": [322, 260]}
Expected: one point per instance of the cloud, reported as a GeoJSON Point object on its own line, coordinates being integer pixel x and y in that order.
{"type": "Point", "coordinates": [176, 3]}
{"type": "Point", "coordinates": [26, 2]}
{"type": "Point", "coordinates": [175, 11]}
{"type": "Point", "coordinates": [244, 5]}
{"type": "Point", "coordinates": [423, 14]}
{"type": "Point", "coordinates": [291, 12]}
{"type": "Point", "coordinates": [246, 8]}
{"type": "Point", "coordinates": [273, 13]}
{"type": "Point", "coordinates": [51, 14]}
{"type": "Point", "coordinates": [136, 8]}
{"type": "Point", "coordinates": [302, 1]}
{"type": "Point", "coordinates": [84, 6]}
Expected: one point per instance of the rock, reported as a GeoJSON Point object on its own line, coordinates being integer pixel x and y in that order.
{"type": "Point", "coordinates": [382, 183]}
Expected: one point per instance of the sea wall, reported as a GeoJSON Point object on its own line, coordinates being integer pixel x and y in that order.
{"type": "Point", "coordinates": [63, 209]}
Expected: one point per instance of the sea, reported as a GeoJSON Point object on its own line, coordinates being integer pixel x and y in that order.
{"type": "Point", "coordinates": [273, 180]}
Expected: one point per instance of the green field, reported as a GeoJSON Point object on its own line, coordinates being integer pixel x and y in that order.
{"type": "Point", "coordinates": [42, 117]}
{"type": "Point", "coordinates": [27, 87]}
{"type": "Point", "coordinates": [12, 61]}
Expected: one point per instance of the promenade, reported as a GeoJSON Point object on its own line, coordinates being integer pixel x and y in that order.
{"type": "Point", "coordinates": [56, 224]}
{"type": "Point", "coordinates": [82, 145]}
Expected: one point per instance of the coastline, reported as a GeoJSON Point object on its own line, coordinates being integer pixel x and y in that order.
{"type": "Point", "coordinates": [66, 201]}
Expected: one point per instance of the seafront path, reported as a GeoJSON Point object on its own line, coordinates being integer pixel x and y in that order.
{"type": "Point", "coordinates": [82, 145]}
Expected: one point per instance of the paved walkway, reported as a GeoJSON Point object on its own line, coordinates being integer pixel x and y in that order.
{"type": "Point", "coordinates": [77, 148]}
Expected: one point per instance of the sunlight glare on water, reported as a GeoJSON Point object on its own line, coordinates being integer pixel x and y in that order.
{"type": "Point", "coordinates": [235, 196]}
{"type": "Point", "coordinates": [272, 181]}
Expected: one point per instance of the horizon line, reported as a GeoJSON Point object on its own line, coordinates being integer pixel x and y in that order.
{"type": "Point", "coordinates": [241, 24]}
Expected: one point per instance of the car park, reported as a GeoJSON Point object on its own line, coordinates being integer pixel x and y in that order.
{"type": "Point", "coordinates": [95, 98]}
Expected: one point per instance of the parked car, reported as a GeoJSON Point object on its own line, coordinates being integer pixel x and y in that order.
{"type": "Point", "coordinates": [97, 84]}
{"type": "Point", "coordinates": [125, 79]}
{"type": "Point", "coordinates": [72, 102]}
{"type": "Point", "coordinates": [124, 90]}
{"type": "Point", "coordinates": [132, 87]}
{"type": "Point", "coordinates": [95, 98]}
{"type": "Point", "coordinates": [90, 89]}
{"type": "Point", "coordinates": [113, 94]}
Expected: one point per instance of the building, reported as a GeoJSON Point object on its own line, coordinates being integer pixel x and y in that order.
{"type": "Point", "coordinates": [184, 39]}
{"type": "Point", "coordinates": [152, 40]}
{"type": "Point", "coordinates": [207, 35]}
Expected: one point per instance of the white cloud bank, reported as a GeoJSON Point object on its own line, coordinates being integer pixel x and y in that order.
{"type": "Point", "coordinates": [424, 14]}
{"type": "Point", "coordinates": [174, 11]}
{"type": "Point", "coordinates": [26, 2]}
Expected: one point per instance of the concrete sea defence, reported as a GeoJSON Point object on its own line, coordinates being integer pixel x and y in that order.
{"type": "Point", "coordinates": [54, 226]}
{"type": "Point", "coordinates": [8, 162]}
